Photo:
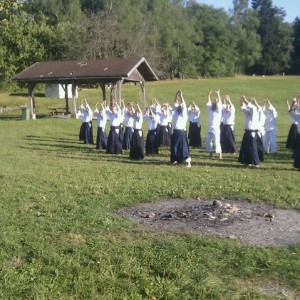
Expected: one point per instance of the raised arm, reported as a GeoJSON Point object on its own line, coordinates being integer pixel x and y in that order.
{"type": "Point", "coordinates": [218, 99]}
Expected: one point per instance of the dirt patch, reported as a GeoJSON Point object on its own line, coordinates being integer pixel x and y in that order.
{"type": "Point", "coordinates": [254, 224]}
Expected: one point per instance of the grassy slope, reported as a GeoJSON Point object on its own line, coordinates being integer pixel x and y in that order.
{"type": "Point", "coordinates": [60, 237]}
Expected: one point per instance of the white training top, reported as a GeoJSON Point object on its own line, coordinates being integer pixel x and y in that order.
{"type": "Point", "coordinates": [251, 117]}
{"type": "Point", "coordinates": [271, 117]}
{"type": "Point", "coordinates": [163, 118]}
{"type": "Point", "coordinates": [214, 117]}
{"type": "Point", "coordinates": [138, 121]}
{"type": "Point", "coordinates": [152, 121]}
{"type": "Point", "coordinates": [228, 115]}
{"type": "Point", "coordinates": [180, 118]}
{"type": "Point", "coordinates": [194, 115]}
{"type": "Point", "coordinates": [128, 119]}
{"type": "Point", "coordinates": [114, 118]}
{"type": "Point", "coordinates": [101, 118]}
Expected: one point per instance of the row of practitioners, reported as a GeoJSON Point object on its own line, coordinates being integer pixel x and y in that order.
{"type": "Point", "coordinates": [260, 127]}
{"type": "Point", "coordinates": [166, 128]}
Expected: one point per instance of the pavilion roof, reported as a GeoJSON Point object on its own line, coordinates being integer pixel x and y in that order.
{"type": "Point", "coordinates": [88, 71]}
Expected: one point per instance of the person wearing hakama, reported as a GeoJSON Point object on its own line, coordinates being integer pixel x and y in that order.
{"type": "Point", "coordinates": [213, 141]}
{"type": "Point", "coordinates": [248, 152]}
{"type": "Point", "coordinates": [293, 131]}
{"type": "Point", "coordinates": [128, 123]}
{"type": "Point", "coordinates": [114, 145]}
{"type": "Point", "coordinates": [151, 139]}
{"type": "Point", "coordinates": [294, 112]}
{"type": "Point", "coordinates": [194, 135]}
{"type": "Point", "coordinates": [101, 142]}
{"type": "Point", "coordinates": [228, 144]}
{"type": "Point", "coordinates": [179, 142]}
{"type": "Point", "coordinates": [86, 131]}
{"type": "Point", "coordinates": [260, 131]}
{"type": "Point", "coordinates": [163, 133]}
{"type": "Point", "coordinates": [137, 147]}
{"type": "Point", "coordinates": [270, 137]}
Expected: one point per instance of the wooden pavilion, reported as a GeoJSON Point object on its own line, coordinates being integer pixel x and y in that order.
{"type": "Point", "coordinates": [113, 72]}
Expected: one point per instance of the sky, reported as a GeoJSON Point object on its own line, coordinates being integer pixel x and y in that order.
{"type": "Point", "coordinates": [291, 7]}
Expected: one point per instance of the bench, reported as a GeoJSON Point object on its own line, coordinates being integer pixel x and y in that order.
{"type": "Point", "coordinates": [57, 111]}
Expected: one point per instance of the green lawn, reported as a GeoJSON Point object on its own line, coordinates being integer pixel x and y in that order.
{"type": "Point", "coordinates": [60, 235]}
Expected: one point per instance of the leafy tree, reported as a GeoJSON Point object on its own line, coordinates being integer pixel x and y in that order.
{"type": "Point", "coordinates": [296, 47]}
{"type": "Point", "coordinates": [244, 25]}
{"type": "Point", "coordinates": [215, 43]}
{"type": "Point", "coordinates": [275, 38]}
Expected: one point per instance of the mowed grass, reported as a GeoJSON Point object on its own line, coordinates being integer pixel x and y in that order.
{"type": "Point", "coordinates": [62, 239]}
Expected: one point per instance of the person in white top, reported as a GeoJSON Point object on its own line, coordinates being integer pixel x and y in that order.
{"type": "Point", "coordinates": [137, 147]}
{"type": "Point", "coordinates": [86, 130]}
{"type": "Point", "coordinates": [270, 137]}
{"type": "Point", "coordinates": [227, 132]}
{"type": "Point", "coordinates": [152, 124]}
{"type": "Point", "coordinates": [114, 145]}
{"type": "Point", "coordinates": [293, 132]}
{"type": "Point", "coordinates": [260, 131]}
{"type": "Point", "coordinates": [128, 123]}
{"type": "Point", "coordinates": [194, 135]}
{"type": "Point", "coordinates": [101, 142]}
{"type": "Point", "coordinates": [179, 143]}
{"type": "Point", "coordinates": [248, 151]}
{"type": "Point", "coordinates": [214, 121]}
{"type": "Point", "coordinates": [294, 112]}
{"type": "Point", "coordinates": [163, 112]}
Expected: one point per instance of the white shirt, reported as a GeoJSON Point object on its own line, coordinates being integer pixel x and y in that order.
{"type": "Point", "coordinates": [296, 116]}
{"type": "Point", "coordinates": [228, 115]}
{"type": "Point", "coordinates": [152, 121]}
{"type": "Point", "coordinates": [114, 118]}
{"type": "Point", "coordinates": [163, 117]}
{"type": "Point", "coordinates": [271, 117]}
{"type": "Point", "coordinates": [101, 118]}
{"type": "Point", "coordinates": [128, 119]}
{"type": "Point", "coordinates": [180, 119]}
{"type": "Point", "coordinates": [251, 116]}
{"type": "Point", "coordinates": [86, 113]}
{"type": "Point", "coordinates": [214, 117]}
{"type": "Point", "coordinates": [194, 115]}
{"type": "Point", "coordinates": [138, 121]}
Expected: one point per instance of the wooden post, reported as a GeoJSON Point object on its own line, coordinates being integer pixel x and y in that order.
{"type": "Point", "coordinates": [119, 91]}
{"type": "Point", "coordinates": [30, 100]}
{"type": "Point", "coordinates": [67, 98]}
{"type": "Point", "coordinates": [102, 85]}
{"type": "Point", "coordinates": [142, 84]}
{"type": "Point", "coordinates": [74, 110]}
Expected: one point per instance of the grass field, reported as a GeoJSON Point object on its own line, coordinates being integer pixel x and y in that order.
{"type": "Point", "coordinates": [62, 239]}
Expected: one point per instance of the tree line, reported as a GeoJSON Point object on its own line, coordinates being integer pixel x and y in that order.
{"type": "Point", "coordinates": [181, 39]}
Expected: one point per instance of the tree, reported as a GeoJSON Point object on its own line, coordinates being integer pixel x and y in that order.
{"type": "Point", "coordinates": [275, 38]}
{"type": "Point", "coordinates": [244, 25]}
{"type": "Point", "coordinates": [295, 68]}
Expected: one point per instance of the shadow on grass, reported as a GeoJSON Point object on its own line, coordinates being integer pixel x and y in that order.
{"type": "Point", "coordinates": [74, 149]}
{"type": "Point", "coordinates": [19, 94]}
{"type": "Point", "coordinates": [10, 118]}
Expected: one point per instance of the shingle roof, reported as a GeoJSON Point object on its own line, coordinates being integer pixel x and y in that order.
{"type": "Point", "coordinates": [88, 71]}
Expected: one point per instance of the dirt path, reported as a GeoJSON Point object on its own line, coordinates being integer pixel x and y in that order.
{"type": "Point", "coordinates": [254, 224]}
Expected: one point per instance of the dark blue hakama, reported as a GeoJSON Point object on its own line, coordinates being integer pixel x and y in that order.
{"type": "Point", "coordinates": [137, 147]}
{"type": "Point", "coordinates": [227, 139]}
{"type": "Point", "coordinates": [127, 138]}
{"type": "Point", "coordinates": [114, 145]}
{"type": "Point", "coordinates": [195, 135]}
{"type": "Point", "coordinates": [248, 152]}
{"type": "Point", "coordinates": [179, 146]}
{"type": "Point", "coordinates": [101, 139]}
{"type": "Point", "coordinates": [151, 142]}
